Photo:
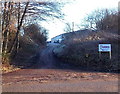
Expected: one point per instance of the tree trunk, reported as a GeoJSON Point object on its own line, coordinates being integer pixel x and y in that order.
{"type": "Point", "coordinates": [18, 29]}
{"type": "Point", "coordinates": [8, 26]}
{"type": "Point", "coordinates": [17, 40]}
{"type": "Point", "coordinates": [3, 28]}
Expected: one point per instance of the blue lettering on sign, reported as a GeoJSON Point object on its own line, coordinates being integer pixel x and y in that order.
{"type": "Point", "coordinates": [104, 47]}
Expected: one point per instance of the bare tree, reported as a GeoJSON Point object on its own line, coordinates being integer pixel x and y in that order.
{"type": "Point", "coordinates": [18, 13]}
{"type": "Point", "coordinates": [20, 21]}
{"type": "Point", "coordinates": [101, 19]}
{"type": "Point", "coordinates": [35, 33]}
{"type": "Point", "coordinates": [68, 28]}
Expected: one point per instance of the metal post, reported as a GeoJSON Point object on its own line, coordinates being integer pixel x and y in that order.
{"type": "Point", "coordinates": [100, 54]}
{"type": "Point", "coordinates": [72, 26]}
{"type": "Point", "coordinates": [110, 54]}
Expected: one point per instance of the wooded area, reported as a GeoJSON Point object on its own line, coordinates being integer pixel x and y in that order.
{"type": "Point", "coordinates": [19, 25]}
{"type": "Point", "coordinates": [103, 19]}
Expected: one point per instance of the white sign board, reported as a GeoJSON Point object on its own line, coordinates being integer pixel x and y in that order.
{"type": "Point", "coordinates": [104, 47]}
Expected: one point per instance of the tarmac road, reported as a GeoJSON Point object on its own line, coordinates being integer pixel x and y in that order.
{"type": "Point", "coordinates": [51, 75]}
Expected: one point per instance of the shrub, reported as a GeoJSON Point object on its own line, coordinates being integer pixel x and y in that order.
{"type": "Point", "coordinates": [85, 54]}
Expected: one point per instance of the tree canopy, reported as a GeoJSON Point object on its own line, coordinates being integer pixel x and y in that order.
{"type": "Point", "coordinates": [17, 15]}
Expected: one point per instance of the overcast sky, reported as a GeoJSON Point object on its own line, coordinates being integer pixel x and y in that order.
{"type": "Point", "coordinates": [75, 12]}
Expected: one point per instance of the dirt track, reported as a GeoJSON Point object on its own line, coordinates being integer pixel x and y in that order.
{"type": "Point", "coordinates": [50, 75]}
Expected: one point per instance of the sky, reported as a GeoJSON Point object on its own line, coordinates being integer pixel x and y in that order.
{"type": "Point", "coordinates": [75, 12]}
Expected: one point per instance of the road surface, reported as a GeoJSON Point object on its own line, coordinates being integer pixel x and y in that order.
{"type": "Point", "coordinates": [51, 75]}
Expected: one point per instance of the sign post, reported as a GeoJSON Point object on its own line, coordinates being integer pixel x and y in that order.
{"type": "Point", "coordinates": [105, 48]}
